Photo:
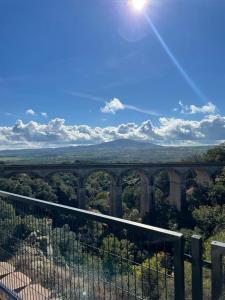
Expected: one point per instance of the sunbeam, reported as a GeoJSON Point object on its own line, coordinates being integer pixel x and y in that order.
{"type": "Point", "coordinates": [188, 79]}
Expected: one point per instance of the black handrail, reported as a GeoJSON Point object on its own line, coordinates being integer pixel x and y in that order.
{"type": "Point", "coordinates": [167, 235]}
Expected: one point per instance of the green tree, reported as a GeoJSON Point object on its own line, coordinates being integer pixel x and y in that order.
{"type": "Point", "coordinates": [217, 194]}
{"type": "Point", "coordinates": [164, 215]}
{"type": "Point", "coordinates": [66, 246]}
{"type": "Point", "coordinates": [117, 256]}
{"type": "Point", "coordinates": [216, 154]}
{"type": "Point", "coordinates": [209, 218]}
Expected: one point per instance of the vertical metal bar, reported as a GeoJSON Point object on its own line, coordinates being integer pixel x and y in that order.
{"type": "Point", "coordinates": [217, 252]}
{"type": "Point", "coordinates": [179, 269]}
{"type": "Point", "coordinates": [197, 280]}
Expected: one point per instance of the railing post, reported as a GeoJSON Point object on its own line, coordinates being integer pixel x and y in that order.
{"type": "Point", "coordinates": [197, 280]}
{"type": "Point", "coordinates": [179, 269]}
{"type": "Point", "coordinates": [217, 252]}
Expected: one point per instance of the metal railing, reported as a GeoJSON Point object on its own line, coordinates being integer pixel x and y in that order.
{"type": "Point", "coordinates": [218, 270]}
{"type": "Point", "coordinates": [207, 277]}
{"type": "Point", "coordinates": [7, 294]}
{"type": "Point", "coordinates": [71, 254]}
{"type": "Point", "coordinates": [77, 254]}
{"type": "Point", "coordinates": [198, 287]}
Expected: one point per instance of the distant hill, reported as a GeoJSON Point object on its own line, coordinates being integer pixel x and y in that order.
{"type": "Point", "coordinates": [122, 150]}
{"type": "Point", "coordinates": [127, 144]}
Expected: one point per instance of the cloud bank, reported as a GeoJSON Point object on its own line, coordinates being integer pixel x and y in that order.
{"type": "Point", "coordinates": [192, 109]}
{"type": "Point", "coordinates": [56, 133]}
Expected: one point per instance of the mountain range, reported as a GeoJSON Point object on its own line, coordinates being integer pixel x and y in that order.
{"type": "Point", "coordinates": [122, 150]}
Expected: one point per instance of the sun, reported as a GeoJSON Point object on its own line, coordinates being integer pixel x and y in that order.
{"type": "Point", "coordinates": [138, 5]}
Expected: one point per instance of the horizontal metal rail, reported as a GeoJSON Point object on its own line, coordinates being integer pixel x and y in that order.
{"type": "Point", "coordinates": [204, 263]}
{"type": "Point", "coordinates": [139, 230]}
{"type": "Point", "coordinates": [166, 235]}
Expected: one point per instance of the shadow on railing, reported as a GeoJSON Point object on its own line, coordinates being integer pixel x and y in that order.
{"type": "Point", "coordinates": [77, 254]}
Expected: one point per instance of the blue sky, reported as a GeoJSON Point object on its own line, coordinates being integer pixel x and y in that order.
{"type": "Point", "coordinates": [100, 64]}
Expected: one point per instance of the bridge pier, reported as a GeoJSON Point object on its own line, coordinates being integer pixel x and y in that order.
{"type": "Point", "coordinates": [116, 198]}
{"type": "Point", "coordinates": [81, 194]}
{"type": "Point", "coordinates": [146, 201]}
{"type": "Point", "coordinates": [176, 189]}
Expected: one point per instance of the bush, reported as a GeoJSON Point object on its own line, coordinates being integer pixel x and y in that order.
{"type": "Point", "coordinates": [209, 218]}
{"type": "Point", "coordinates": [152, 273]}
{"type": "Point", "coordinates": [217, 193]}
{"type": "Point", "coordinates": [165, 215]}
{"type": "Point", "coordinates": [117, 256]}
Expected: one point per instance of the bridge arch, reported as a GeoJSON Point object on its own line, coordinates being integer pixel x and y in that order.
{"type": "Point", "coordinates": [199, 176]}
{"type": "Point", "coordinates": [175, 186]}
{"type": "Point", "coordinates": [205, 173]}
{"type": "Point", "coordinates": [112, 175]}
{"type": "Point", "coordinates": [105, 199]}
{"type": "Point", "coordinates": [66, 184]}
{"type": "Point", "coordinates": [144, 204]}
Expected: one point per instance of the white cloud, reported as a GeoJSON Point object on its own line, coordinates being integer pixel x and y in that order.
{"type": "Point", "coordinates": [208, 108]}
{"type": "Point", "coordinates": [30, 112]}
{"type": "Point", "coordinates": [44, 114]}
{"type": "Point", "coordinates": [55, 133]}
{"type": "Point", "coordinates": [113, 106]}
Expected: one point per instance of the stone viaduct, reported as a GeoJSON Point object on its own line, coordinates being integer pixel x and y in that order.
{"type": "Point", "coordinates": [177, 172]}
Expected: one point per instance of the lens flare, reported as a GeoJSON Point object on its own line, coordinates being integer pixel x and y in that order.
{"type": "Point", "coordinates": [138, 5]}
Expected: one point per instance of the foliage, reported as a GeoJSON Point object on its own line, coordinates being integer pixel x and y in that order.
{"type": "Point", "coordinates": [216, 194]}
{"type": "Point", "coordinates": [197, 197]}
{"type": "Point", "coordinates": [65, 187]}
{"type": "Point", "coordinates": [164, 215]}
{"type": "Point", "coordinates": [117, 256]}
{"type": "Point", "coordinates": [30, 224]}
{"type": "Point", "coordinates": [218, 236]}
{"type": "Point", "coordinates": [162, 183]}
{"type": "Point", "coordinates": [97, 192]}
{"type": "Point", "coordinates": [8, 222]}
{"type": "Point", "coordinates": [26, 185]}
{"type": "Point", "coordinates": [215, 154]}
{"type": "Point", "coordinates": [209, 218]}
{"type": "Point", "coordinates": [149, 273]}
{"type": "Point", "coordinates": [67, 249]}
